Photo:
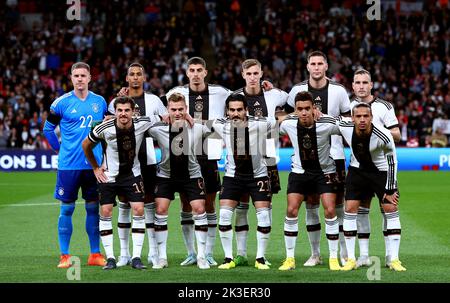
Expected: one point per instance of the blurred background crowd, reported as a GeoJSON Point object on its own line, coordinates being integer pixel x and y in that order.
{"type": "Point", "coordinates": [407, 53]}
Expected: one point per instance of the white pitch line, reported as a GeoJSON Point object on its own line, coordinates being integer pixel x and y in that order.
{"type": "Point", "coordinates": [45, 204]}
{"type": "Point", "coordinates": [34, 204]}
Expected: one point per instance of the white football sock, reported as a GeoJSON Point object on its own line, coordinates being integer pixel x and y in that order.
{"type": "Point", "coordinates": [350, 230]}
{"type": "Point", "coordinates": [226, 231]}
{"type": "Point", "coordinates": [241, 228]}
{"type": "Point", "coordinates": [161, 234]}
{"type": "Point", "coordinates": [149, 210]}
{"type": "Point", "coordinates": [187, 227]}
{"type": "Point", "coordinates": [138, 235]}
{"type": "Point", "coordinates": [106, 234]}
{"type": "Point", "coordinates": [394, 229]}
{"type": "Point", "coordinates": [332, 232]}
{"type": "Point", "coordinates": [263, 231]}
{"type": "Point", "coordinates": [363, 224]}
{"type": "Point", "coordinates": [123, 228]}
{"type": "Point", "coordinates": [290, 235]}
{"type": "Point", "coordinates": [313, 228]}
{"type": "Point", "coordinates": [201, 231]}
{"type": "Point", "coordinates": [211, 237]}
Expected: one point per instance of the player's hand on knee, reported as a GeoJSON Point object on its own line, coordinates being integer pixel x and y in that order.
{"type": "Point", "coordinates": [99, 173]}
{"type": "Point", "coordinates": [393, 199]}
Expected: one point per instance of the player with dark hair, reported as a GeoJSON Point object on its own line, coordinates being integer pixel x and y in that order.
{"type": "Point", "coordinates": [372, 170]}
{"type": "Point", "coordinates": [245, 171]}
{"type": "Point", "coordinates": [120, 173]}
{"type": "Point", "coordinates": [147, 104]}
{"type": "Point", "coordinates": [383, 115]}
{"type": "Point", "coordinates": [204, 102]}
{"type": "Point", "coordinates": [313, 172]}
{"type": "Point", "coordinates": [332, 99]}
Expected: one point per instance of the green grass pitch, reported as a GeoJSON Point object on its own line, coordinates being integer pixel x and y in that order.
{"type": "Point", "coordinates": [29, 247]}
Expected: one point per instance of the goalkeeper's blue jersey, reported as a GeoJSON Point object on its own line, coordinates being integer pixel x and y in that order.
{"type": "Point", "coordinates": [77, 117]}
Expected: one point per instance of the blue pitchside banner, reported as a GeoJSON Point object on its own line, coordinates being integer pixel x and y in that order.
{"type": "Point", "coordinates": [408, 159]}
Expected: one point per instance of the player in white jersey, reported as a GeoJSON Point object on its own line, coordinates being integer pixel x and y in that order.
{"type": "Point", "coordinates": [204, 102]}
{"type": "Point", "coordinates": [179, 171]}
{"type": "Point", "coordinates": [120, 173]}
{"type": "Point", "coordinates": [147, 104]}
{"type": "Point", "coordinates": [383, 115]}
{"type": "Point", "coordinates": [260, 103]}
{"type": "Point", "coordinates": [313, 172]}
{"type": "Point", "coordinates": [245, 171]}
{"type": "Point", "coordinates": [372, 170]}
{"type": "Point", "coordinates": [332, 99]}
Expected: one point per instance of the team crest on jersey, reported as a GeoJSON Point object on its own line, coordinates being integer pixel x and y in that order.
{"type": "Point", "coordinates": [307, 142]}
{"type": "Point", "coordinates": [258, 112]}
{"type": "Point", "coordinates": [127, 143]}
{"type": "Point", "coordinates": [95, 107]}
{"type": "Point", "coordinates": [199, 106]}
{"type": "Point", "coordinates": [61, 191]}
{"type": "Point", "coordinates": [318, 105]}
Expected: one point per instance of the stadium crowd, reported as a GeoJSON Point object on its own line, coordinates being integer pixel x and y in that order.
{"type": "Point", "coordinates": [408, 55]}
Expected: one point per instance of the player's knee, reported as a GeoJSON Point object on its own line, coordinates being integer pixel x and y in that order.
{"type": "Point", "coordinates": [329, 212]}
{"type": "Point", "coordinates": [292, 211]}
{"type": "Point", "coordinates": [67, 209]}
{"type": "Point", "coordinates": [198, 208]}
{"type": "Point", "coordinates": [138, 210]}
{"type": "Point", "coordinates": [106, 211]}
{"type": "Point", "coordinates": [389, 208]}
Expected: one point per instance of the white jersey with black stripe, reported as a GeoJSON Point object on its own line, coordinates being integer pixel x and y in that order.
{"type": "Point", "coordinates": [381, 148]}
{"type": "Point", "coordinates": [334, 101]}
{"type": "Point", "coordinates": [107, 132]}
{"type": "Point", "coordinates": [325, 127]}
{"type": "Point", "coordinates": [382, 111]}
{"type": "Point", "coordinates": [161, 133]}
{"type": "Point", "coordinates": [251, 154]}
{"type": "Point", "coordinates": [149, 105]}
{"type": "Point", "coordinates": [215, 95]}
{"type": "Point", "coordinates": [265, 103]}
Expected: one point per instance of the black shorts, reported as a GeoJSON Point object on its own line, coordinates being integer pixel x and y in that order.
{"type": "Point", "coordinates": [312, 183]}
{"type": "Point", "coordinates": [194, 189]}
{"type": "Point", "coordinates": [130, 187]}
{"type": "Point", "coordinates": [149, 175]}
{"type": "Point", "coordinates": [258, 188]}
{"type": "Point", "coordinates": [210, 173]}
{"type": "Point", "coordinates": [362, 185]}
{"type": "Point", "coordinates": [340, 175]}
{"type": "Point", "coordinates": [274, 177]}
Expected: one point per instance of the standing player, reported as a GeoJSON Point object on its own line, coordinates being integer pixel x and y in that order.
{"type": "Point", "coordinates": [245, 171]}
{"type": "Point", "coordinates": [383, 115]}
{"type": "Point", "coordinates": [179, 171]}
{"type": "Point", "coordinates": [147, 104]}
{"type": "Point", "coordinates": [74, 112]}
{"type": "Point", "coordinates": [332, 99]}
{"type": "Point", "coordinates": [313, 172]}
{"type": "Point", "coordinates": [120, 174]}
{"type": "Point", "coordinates": [204, 102]}
{"type": "Point", "coordinates": [260, 103]}
{"type": "Point", "coordinates": [372, 170]}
